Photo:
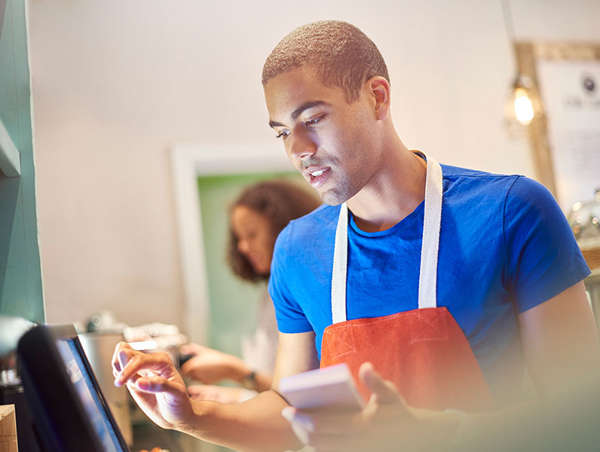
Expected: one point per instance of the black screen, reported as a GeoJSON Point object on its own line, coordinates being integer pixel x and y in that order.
{"type": "Point", "coordinates": [88, 395]}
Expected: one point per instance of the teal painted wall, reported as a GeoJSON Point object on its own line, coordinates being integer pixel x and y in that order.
{"type": "Point", "coordinates": [20, 273]}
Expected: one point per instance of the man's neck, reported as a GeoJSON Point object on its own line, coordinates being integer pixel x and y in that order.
{"type": "Point", "coordinates": [393, 193]}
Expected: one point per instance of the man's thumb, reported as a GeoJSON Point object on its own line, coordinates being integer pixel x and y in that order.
{"type": "Point", "coordinates": [384, 391]}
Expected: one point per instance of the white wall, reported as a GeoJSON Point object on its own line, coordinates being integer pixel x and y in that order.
{"type": "Point", "coordinates": [116, 83]}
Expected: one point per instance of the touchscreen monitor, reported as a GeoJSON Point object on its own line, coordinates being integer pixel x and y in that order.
{"type": "Point", "coordinates": [67, 405]}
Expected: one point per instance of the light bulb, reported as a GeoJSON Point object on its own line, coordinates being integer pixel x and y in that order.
{"type": "Point", "coordinates": [523, 106]}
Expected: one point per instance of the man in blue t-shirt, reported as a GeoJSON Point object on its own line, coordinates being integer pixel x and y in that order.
{"type": "Point", "coordinates": [491, 254]}
{"type": "Point", "coordinates": [505, 247]}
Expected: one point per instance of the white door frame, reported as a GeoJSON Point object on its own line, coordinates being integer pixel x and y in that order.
{"type": "Point", "coordinates": [188, 162]}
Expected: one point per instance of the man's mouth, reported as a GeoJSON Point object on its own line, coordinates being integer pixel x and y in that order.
{"type": "Point", "coordinates": [317, 176]}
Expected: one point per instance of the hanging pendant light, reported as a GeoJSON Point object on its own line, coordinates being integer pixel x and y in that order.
{"type": "Point", "coordinates": [521, 107]}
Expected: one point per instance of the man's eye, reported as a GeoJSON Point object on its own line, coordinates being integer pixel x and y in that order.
{"type": "Point", "coordinates": [282, 134]}
{"type": "Point", "coordinates": [313, 121]}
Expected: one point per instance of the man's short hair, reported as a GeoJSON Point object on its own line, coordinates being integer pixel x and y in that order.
{"type": "Point", "coordinates": [341, 54]}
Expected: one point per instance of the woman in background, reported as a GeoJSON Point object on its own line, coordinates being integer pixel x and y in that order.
{"type": "Point", "coordinates": [255, 219]}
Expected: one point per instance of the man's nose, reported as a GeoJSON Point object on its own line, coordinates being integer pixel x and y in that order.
{"type": "Point", "coordinates": [302, 145]}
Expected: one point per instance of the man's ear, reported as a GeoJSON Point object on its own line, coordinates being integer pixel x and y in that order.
{"type": "Point", "coordinates": [379, 91]}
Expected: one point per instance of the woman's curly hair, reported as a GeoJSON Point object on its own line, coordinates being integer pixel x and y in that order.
{"type": "Point", "coordinates": [279, 202]}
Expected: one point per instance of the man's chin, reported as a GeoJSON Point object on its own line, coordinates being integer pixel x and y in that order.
{"type": "Point", "coordinates": [337, 194]}
{"type": "Point", "coordinates": [332, 198]}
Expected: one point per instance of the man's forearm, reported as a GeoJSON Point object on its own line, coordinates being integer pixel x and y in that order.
{"type": "Point", "coordinates": [255, 425]}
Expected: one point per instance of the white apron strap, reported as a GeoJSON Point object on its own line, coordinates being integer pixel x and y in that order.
{"type": "Point", "coordinates": [340, 262]}
{"type": "Point", "coordinates": [429, 249]}
{"type": "Point", "coordinates": [431, 235]}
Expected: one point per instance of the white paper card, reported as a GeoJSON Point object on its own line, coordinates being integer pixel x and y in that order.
{"type": "Point", "coordinates": [328, 387]}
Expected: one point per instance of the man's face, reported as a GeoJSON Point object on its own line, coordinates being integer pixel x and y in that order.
{"type": "Point", "coordinates": [329, 141]}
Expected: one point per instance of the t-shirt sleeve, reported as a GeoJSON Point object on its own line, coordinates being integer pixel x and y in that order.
{"type": "Point", "coordinates": [290, 316]}
{"type": "Point", "coordinates": [543, 258]}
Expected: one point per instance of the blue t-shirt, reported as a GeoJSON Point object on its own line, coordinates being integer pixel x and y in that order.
{"type": "Point", "coordinates": [505, 247]}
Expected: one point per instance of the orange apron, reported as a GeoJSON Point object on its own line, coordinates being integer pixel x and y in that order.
{"type": "Point", "coordinates": [423, 352]}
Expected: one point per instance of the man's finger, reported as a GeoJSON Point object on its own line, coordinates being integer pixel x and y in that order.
{"type": "Point", "coordinates": [124, 356]}
{"type": "Point", "coordinates": [116, 364]}
{"type": "Point", "coordinates": [129, 371]}
{"type": "Point", "coordinates": [157, 384]}
{"type": "Point", "coordinates": [384, 391]}
{"type": "Point", "coordinates": [158, 362]}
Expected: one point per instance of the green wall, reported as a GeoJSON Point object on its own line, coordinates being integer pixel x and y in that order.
{"type": "Point", "coordinates": [20, 274]}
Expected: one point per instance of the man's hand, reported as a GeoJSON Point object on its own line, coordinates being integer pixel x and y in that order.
{"type": "Point", "coordinates": [154, 383]}
{"type": "Point", "coordinates": [386, 422]}
{"type": "Point", "coordinates": [210, 366]}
